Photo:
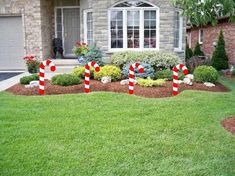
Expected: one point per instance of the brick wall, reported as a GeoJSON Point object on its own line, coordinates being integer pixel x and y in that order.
{"type": "Point", "coordinates": [211, 34]}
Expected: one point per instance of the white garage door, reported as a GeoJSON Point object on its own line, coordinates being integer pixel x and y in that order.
{"type": "Point", "coordinates": [11, 43]}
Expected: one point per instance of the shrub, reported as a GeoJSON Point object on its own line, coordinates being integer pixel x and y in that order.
{"type": "Point", "coordinates": [167, 74]}
{"type": "Point", "coordinates": [233, 71]}
{"type": "Point", "coordinates": [66, 80]}
{"type": "Point", "coordinates": [154, 58]}
{"type": "Point", "coordinates": [27, 79]}
{"type": "Point", "coordinates": [220, 58]}
{"type": "Point", "coordinates": [108, 70]}
{"type": "Point", "coordinates": [80, 72]}
{"type": "Point", "coordinates": [148, 71]}
{"type": "Point", "coordinates": [196, 61]}
{"type": "Point", "coordinates": [150, 83]}
{"type": "Point", "coordinates": [188, 53]}
{"type": "Point", "coordinates": [198, 51]}
{"type": "Point", "coordinates": [94, 54]}
{"type": "Point", "coordinates": [206, 74]}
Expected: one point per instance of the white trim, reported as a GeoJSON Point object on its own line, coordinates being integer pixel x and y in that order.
{"type": "Point", "coordinates": [200, 40]}
{"type": "Point", "coordinates": [180, 48]}
{"type": "Point", "coordinates": [62, 23]}
{"type": "Point", "coordinates": [85, 24]}
{"type": "Point", "coordinates": [147, 2]}
{"type": "Point", "coordinates": [141, 10]}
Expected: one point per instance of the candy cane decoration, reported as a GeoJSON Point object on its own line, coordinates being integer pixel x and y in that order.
{"type": "Point", "coordinates": [132, 76]}
{"type": "Point", "coordinates": [42, 74]}
{"type": "Point", "coordinates": [176, 77]}
{"type": "Point", "coordinates": [87, 74]}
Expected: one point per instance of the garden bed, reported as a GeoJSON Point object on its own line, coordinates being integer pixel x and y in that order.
{"type": "Point", "coordinates": [229, 124]}
{"type": "Point", "coordinates": [95, 86]}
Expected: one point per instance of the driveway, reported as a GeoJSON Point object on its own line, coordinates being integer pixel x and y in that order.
{"type": "Point", "coordinates": [7, 75]}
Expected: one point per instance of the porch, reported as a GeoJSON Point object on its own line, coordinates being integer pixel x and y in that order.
{"type": "Point", "coordinates": [61, 20]}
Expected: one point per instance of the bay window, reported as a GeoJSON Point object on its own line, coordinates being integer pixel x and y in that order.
{"type": "Point", "coordinates": [133, 25]}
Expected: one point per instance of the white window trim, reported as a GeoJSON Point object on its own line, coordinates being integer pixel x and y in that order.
{"type": "Point", "coordinates": [180, 48]}
{"type": "Point", "coordinates": [85, 24]}
{"type": "Point", "coordinates": [141, 10]}
{"type": "Point", "coordinates": [200, 40]}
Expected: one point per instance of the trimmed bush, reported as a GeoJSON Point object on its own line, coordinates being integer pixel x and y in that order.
{"type": "Point", "coordinates": [80, 72]}
{"type": "Point", "coordinates": [155, 58]}
{"type": "Point", "coordinates": [66, 80]}
{"type": "Point", "coordinates": [94, 54]}
{"type": "Point", "coordinates": [148, 71]}
{"type": "Point", "coordinates": [150, 83]}
{"type": "Point", "coordinates": [233, 71]}
{"type": "Point", "coordinates": [27, 79]}
{"type": "Point", "coordinates": [206, 74]}
{"type": "Point", "coordinates": [108, 70]}
{"type": "Point", "coordinates": [167, 74]}
{"type": "Point", "coordinates": [198, 51]}
{"type": "Point", "coordinates": [220, 58]}
{"type": "Point", "coordinates": [188, 53]}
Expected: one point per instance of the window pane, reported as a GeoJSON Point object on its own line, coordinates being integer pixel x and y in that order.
{"type": "Point", "coordinates": [150, 25]}
{"type": "Point", "coordinates": [116, 29]}
{"type": "Point", "coordinates": [89, 23]}
{"type": "Point", "coordinates": [177, 30]}
{"type": "Point", "coordinates": [133, 29]}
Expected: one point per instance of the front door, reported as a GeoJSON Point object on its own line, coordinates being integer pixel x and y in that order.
{"type": "Point", "coordinates": [69, 29]}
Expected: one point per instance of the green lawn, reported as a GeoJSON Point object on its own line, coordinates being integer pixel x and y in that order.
{"type": "Point", "coordinates": [117, 134]}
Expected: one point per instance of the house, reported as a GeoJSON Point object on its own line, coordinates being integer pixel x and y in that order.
{"type": "Point", "coordinates": [208, 35]}
{"type": "Point", "coordinates": [29, 26]}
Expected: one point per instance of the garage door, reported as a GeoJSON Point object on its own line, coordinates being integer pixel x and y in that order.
{"type": "Point", "coordinates": [11, 43]}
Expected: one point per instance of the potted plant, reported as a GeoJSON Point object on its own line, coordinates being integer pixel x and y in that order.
{"type": "Point", "coordinates": [80, 50]}
{"type": "Point", "coordinates": [32, 64]}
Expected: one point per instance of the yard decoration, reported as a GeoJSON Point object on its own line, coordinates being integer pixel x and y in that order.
{"type": "Point", "coordinates": [132, 76]}
{"type": "Point", "coordinates": [175, 77]}
{"type": "Point", "coordinates": [42, 74]}
{"type": "Point", "coordinates": [87, 74]}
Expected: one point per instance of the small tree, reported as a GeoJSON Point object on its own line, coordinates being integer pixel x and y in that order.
{"type": "Point", "coordinates": [188, 53]}
{"type": "Point", "coordinates": [220, 58]}
{"type": "Point", "coordinates": [198, 51]}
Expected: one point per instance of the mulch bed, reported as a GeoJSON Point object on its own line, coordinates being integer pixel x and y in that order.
{"type": "Point", "coordinates": [95, 86]}
{"type": "Point", "coordinates": [229, 124]}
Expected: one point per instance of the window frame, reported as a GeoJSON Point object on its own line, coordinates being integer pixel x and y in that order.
{"type": "Point", "coordinates": [181, 26]}
{"type": "Point", "coordinates": [125, 38]}
{"type": "Point", "coordinates": [200, 38]}
{"type": "Point", "coordinates": [85, 27]}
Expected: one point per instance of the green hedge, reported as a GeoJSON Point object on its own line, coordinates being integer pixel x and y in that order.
{"type": "Point", "coordinates": [167, 74]}
{"type": "Point", "coordinates": [27, 79]}
{"type": "Point", "coordinates": [206, 74]}
{"type": "Point", "coordinates": [154, 58]}
{"type": "Point", "coordinates": [66, 80]}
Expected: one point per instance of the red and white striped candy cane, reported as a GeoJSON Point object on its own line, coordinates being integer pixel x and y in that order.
{"type": "Point", "coordinates": [42, 74]}
{"type": "Point", "coordinates": [132, 76]}
{"type": "Point", "coordinates": [176, 77]}
{"type": "Point", "coordinates": [87, 74]}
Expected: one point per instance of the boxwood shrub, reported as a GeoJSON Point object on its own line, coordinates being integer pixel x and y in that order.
{"type": "Point", "coordinates": [66, 80]}
{"type": "Point", "coordinates": [206, 74]}
{"type": "Point", "coordinates": [27, 79]}
{"type": "Point", "coordinates": [167, 74]}
{"type": "Point", "coordinates": [154, 58]}
{"type": "Point", "coordinates": [108, 70]}
{"type": "Point", "coordinates": [148, 71]}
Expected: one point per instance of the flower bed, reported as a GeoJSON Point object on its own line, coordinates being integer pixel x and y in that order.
{"type": "Point", "coordinates": [96, 86]}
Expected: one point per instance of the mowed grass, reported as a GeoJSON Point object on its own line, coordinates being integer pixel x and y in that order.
{"type": "Point", "coordinates": [117, 134]}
